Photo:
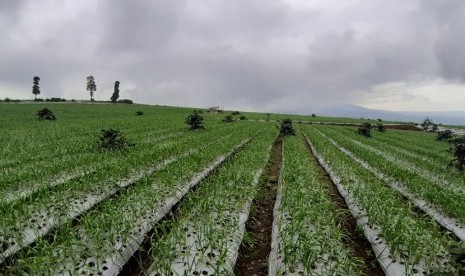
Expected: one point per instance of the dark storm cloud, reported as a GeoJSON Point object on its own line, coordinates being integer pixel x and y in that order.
{"type": "Point", "coordinates": [449, 19]}
{"type": "Point", "coordinates": [262, 55]}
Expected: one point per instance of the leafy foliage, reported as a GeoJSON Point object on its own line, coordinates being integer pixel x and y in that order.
{"type": "Point", "coordinates": [458, 257]}
{"type": "Point", "coordinates": [242, 117]}
{"type": "Point", "coordinates": [365, 129]}
{"type": "Point", "coordinates": [46, 114]}
{"type": "Point", "coordinates": [458, 149]}
{"type": "Point", "coordinates": [139, 113]}
{"type": "Point", "coordinates": [195, 121]}
{"type": "Point", "coordinates": [91, 87]}
{"type": "Point", "coordinates": [126, 101]}
{"type": "Point", "coordinates": [115, 95]}
{"type": "Point", "coordinates": [287, 128]}
{"type": "Point", "coordinates": [235, 113]}
{"type": "Point", "coordinates": [113, 140]}
{"type": "Point", "coordinates": [444, 135]}
{"type": "Point", "coordinates": [228, 119]}
{"type": "Point", "coordinates": [380, 127]}
{"type": "Point", "coordinates": [35, 87]}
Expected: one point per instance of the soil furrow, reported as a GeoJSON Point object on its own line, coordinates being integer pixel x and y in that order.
{"type": "Point", "coordinates": [256, 247]}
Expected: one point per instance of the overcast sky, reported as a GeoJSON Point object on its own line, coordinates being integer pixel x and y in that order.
{"type": "Point", "coordinates": [262, 55]}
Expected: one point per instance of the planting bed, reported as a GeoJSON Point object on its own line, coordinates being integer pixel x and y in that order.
{"type": "Point", "coordinates": [230, 199]}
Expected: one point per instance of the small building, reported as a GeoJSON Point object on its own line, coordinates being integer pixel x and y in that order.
{"type": "Point", "coordinates": [215, 109]}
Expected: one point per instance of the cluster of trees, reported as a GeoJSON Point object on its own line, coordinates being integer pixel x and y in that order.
{"type": "Point", "coordinates": [365, 129]}
{"type": "Point", "coordinates": [91, 87]}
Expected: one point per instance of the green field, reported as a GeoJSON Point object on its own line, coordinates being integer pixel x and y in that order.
{"type": "Point", "coordinates": [178, 201]}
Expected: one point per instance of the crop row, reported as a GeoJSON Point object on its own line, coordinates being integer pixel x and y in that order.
{"type": "Point", "coordinates": [451, 224]}
{"type": "Point", "coordinates": [139, 157]}
{"type": "Point", "coordinates": [307, 238]}
{"type": "Point", "coordinates": [440, 190]}
{"type": "Point", "coordinates": [105, 232]}
{"type": "Point", "coordinates": [205, 241]}
{"type": "Point", "coordinates": [24, 221]}
{"type": "Point", "coordinates": [84, 153]}
{"type": "Point", "coordinates": [404, 242]}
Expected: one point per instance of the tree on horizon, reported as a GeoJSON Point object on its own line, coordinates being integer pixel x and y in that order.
{"type": "Point", "coordinates": [35, 87]}
{"type": "Point", "coordinates": [115, 95]}
{"type": "Point", "coordinates": [91, 87]}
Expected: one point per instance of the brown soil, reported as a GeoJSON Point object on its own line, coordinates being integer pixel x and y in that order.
{"type": "Point", "coordinates": [403, 127]}
{"type": "Point", "coordinates": [253, 258]}
{"type": "Point", "coordinates": [353, 238]}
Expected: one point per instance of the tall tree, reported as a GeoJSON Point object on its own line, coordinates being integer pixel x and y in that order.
{"type": "Point", "coordinates": [35, 87]}
{"type": "Point", "coordinates": [115, 95]}
{"type": "Point", "coordinates": [91, 87]}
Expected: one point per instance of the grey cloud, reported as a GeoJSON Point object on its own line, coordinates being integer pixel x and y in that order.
{"type": "Point", "coordinates": [449, 19]}
{"type": "Point", "coordinates": [258, 53]}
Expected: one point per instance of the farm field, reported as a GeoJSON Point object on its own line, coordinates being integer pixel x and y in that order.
{"type": "Point", "coordinates": [182, 202]}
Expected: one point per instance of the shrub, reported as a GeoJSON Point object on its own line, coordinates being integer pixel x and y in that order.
{"type": "Point", "coordinates": [38, 100]}
{"type": "Point", "coordinates": [286, 128]}
{"type": "Point", "coordinates": [242, 118]}
{"type": "Point", "coordinates": [126, 101]}
{"type": "Point", "coordinates": [313, 115]}
{"type": "Point", "coordinates": [113, 140]}
{"type": "Point", "coordinates": [365, 129]}
{"type": "Point", "coordinates": [139, 113]}
{"type": "Point", "coordinates": [46, 114]}
{"type": "Point", "coordinates": [458, 149]}
{"type": "Point", "coordinates": [444, 135]}
{"type": "Point", "coordinates": [55, 100]}
{"type": "Point", "coordinates": [380, 127]}
{"type": "Point", "coordinates": [228, 119]}
{"type": "Point", "coordinates": [235, 113]}
{"type": "Point", "coordinates": [195, 121]}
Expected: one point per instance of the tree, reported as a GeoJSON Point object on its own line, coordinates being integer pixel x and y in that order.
{"type": "Point", "coordinates": [228, 119]}
{"type": "Point", "coordinates": [115, 95]}
{"type": "Point", "coordinates": [458, 150]}
{"type": "Point", "coordinates": [444, 135]}
{"type": "Point", "coordinates": [113, 140]}
{"type": "Point", "coordinates": [35, 87]}
{"type": "Point", "coordinates": [380, 127]}
{"type": "Point", "coordinates": [46, 114]}
{"type": "Point", "coordinates": [286, 128]}
{"type": "Point", "coordinates": [195, 121]}
{"type": "Point", "coordinates": [91, 87]}
{"type": "Point", "coordinates": [365, 129]}
{"type": "Point", "coordinates": [427, 123]}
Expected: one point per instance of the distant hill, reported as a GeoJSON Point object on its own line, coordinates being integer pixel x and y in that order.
{"type": "Point", "coordinates": [354, 111]}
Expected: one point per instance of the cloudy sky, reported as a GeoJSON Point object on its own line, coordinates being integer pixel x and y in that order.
{"type": "Point", "coordinates": [262, 55]}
